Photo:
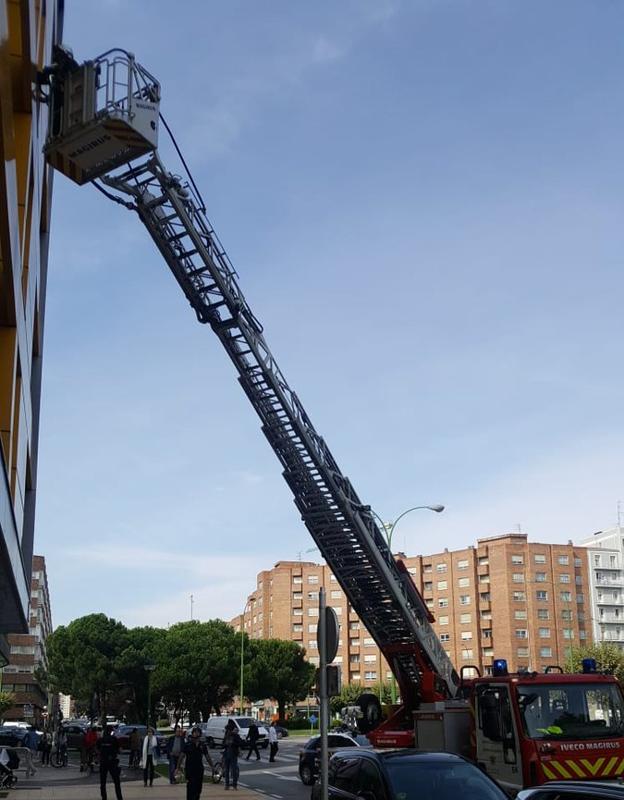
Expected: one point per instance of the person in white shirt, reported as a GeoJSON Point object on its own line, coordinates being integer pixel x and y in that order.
{"type": "Point", "coordinates": [272, 741]}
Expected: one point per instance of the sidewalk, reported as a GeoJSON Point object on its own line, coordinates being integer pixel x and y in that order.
{"type": "Point", "coordinates": [161, 790]}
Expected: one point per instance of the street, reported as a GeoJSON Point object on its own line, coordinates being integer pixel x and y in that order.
{"type": "Point", "coordinates": [279, 780]}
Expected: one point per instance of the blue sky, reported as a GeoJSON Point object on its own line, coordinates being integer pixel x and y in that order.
{"type": "Point", "coordinates": [424, 204]}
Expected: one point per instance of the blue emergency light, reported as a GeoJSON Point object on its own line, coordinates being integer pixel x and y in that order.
{"type": "Point", "coordinates": [589, 665]}
{"type": "Point", "coordinates": [499, 667]}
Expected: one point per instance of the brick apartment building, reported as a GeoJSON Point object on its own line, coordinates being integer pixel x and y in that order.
{"type": "Point", "coordinates": [28, 652]}
{"type": "Point", "coordinates": [503, 598]}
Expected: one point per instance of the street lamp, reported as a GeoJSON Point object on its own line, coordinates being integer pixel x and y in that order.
{"type": "Point", "coordinates": [242, 653]}
{"type": "Point", "coordinates": [388, 530]}
{"type": "Point", "coordinates": [149, 668]}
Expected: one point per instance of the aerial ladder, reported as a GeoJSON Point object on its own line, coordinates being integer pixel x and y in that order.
{"type": "Point", "coordinates": [104, 123]}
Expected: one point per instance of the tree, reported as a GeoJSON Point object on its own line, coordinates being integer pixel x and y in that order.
{"type": "Point", "coordinates": [7, 701]}
{"type": "Point", "coordinates": [197, 667]}
{"type": "Point", "coordinates": [608, 657]}
{"type": "Point", "coordinates": [142, 647]}
{"type": "Point", "coordinates": [84, 660]}
{"type": "Point", "coordinates": [278, 669]}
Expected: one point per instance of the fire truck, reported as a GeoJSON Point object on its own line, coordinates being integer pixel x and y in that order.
{"type": "Point", "coordinates": [525, 729]}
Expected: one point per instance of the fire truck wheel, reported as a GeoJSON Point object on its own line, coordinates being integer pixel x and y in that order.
{"type": "Point", "coordinates": [371, 712]}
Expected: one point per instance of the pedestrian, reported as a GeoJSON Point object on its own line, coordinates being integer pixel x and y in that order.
{"type": "Point", "coordinates": [149, 756]}
{"type": "Point", "coordinates": [134, 743]}
{"type": "Point", "coordinates": [232, 743]}
{"type": "Point", "coordinates": [108, 747]}
{"type": "Point", "coordinates": [273, 741]}
{"type": "Point", "coordinates": [90, 742]}
{"type": "Point", "coordinates": [46, 746]}
{"type": "Point", "coordinates": [61, 747]}
{"type": "Point", "coordinates": [252, 737]}
{"type": "Point", "coordinates": [195, 752]}
{"type": "Point", "coordinates": [175, 748]}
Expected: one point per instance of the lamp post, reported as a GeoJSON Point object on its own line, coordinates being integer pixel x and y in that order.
{"type": "Point", "coordinates": [149, 668]}
{"type": "Point", "coordinates": [388, 529]}
{"type": "Point", "coordinates": [242, 654]}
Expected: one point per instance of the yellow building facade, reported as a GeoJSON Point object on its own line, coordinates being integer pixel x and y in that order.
{"type": "Point", "coordinates": [28, 31]}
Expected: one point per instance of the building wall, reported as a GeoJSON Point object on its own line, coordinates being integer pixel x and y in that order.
{"type": "Point", "coordinates": [28, 29]}
{"type": "Point", "coordinates": [503, 598]}
{"type": "Point", "coordinates": [28, 652]}
{"type": "Point", "coordinates": [606, 576]}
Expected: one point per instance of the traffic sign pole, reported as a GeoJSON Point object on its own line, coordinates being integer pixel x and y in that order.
{"type": "Point", "coordinates": [324, 699]}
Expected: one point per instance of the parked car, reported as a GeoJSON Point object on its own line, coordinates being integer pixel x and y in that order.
{"type": "Point", "coordinates": [406, 775]}
{"type": "Point", "coordinates": [213, 731]}
{"type": "Point", "coordinates": [310, 755]}
{"type": "Point", "coordinates": [574, 790]}
{"type": "Point", "coordinates": [75, 732]}
{"type": "Point", "coordinates": [282, 733]}
{"type": "Point", "coordinates": [12, 736]}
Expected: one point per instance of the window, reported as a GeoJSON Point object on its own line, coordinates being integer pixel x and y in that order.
{"type": "Point", "coordinates": [566, 597]}
{"type": "Point", "coordinates": [338, 611]}
{"type": "Point", "coordinates": [543, 613]}
{"type": "Point", "coordinates": [568, 633]}
{"type": "Point", "coordinates": [544, 633]}
{"type": "Point", "coordinates": [297, 628]}
{"type": "Point", "coordinates": [597, 560]}
{"type": "Point", "coordinates": [487, 633]}
{"type": "Point", "coordinates": [354, 626]}
{"type": "Point", "coordinates": [520, 614]}
{"type": "Point", "coordinates": [580, 598]}
{"type": "Point", "coordinates": [563, 560]}
{"type": "Point", "coordinates": [463, 564]}
{"type": "Point", "coordinates": [297, 595]}
{"type": "Point", "coordinates": [312, 627]}
{"type": "Point", "coordinates": [581, 616]}
{"type": "Point", "coordinates": [335, 594]}
{"type": "Point", "coordinates": [313, 578]}
{"type": "Point", "coordinates": [428, 586]}
{"type": "Point", "coordinates": [312, 644]}
{"type": "Point", "coordinates": [312, 595]}
{"type": "Point", "coordinates": [564, 578]}
{"type": "Point", "coordinates": [582, 634]}
{"type": "Point", "coordinates": [484, 578]}
{"type": "Point", "coordinates": [523, 652]}
{"type": "Point", "coordinates": [412, 570]}
{"type": "Point", "coordinates": [578, 579]}
{"type": "Point", "coordinates": [445, 637]}
{"type": "Point", "coordinates": [522, 633]}
{"type": "Point", "coordinates": [488, 651]}
{"type": "Point", "coordinates": [540, 594]}
{"type": "Point", "coordinates": [370, 676]}
{"type": "Point", "coordinates": [354, 642]}
{"type": "Point", "coordinates": [465, 619]}
{"type": "Point", "coordinates": [519, 597]}
{"type": "Point", "coordinates": [518, 577]}
{"type": "Point", "coordinates": [546, 652]}
{"type": "Point", "coordinates": [343, 773]}
{"type": "Point", "coordinates": [467, 654]}
{"type": "Point", "coordinates": [443, 620]}
{"type": "Point", "coordinates": [517, 559]}
{"type": "Point", "coordinates": [464, 599]}
{"type": "Point", "coordinates": [440, 567]}
{"type": "Point", "coordinates": [368, 642]}
{"type": "Point", "coordinates": [427, 568]}
{"type": "Point", "coordinates": [486, 615]}
{"type": "Point", "coordinates": [464, 583]}
{"type": "Point", "coordinates": [443, 602]}
{"type": "Point", "coordinates": [442, 585]}
{"type": "Point", "coordinates": [297, 579]}
{"type": "Point", "coordinates": [485, 597]}
{"type": "Point", "coordinates": [370, 659]}
{"type": "Point", "coordinates": [466, 635]}
{"type": "Point", "coordinates": [354, 658]}
{"type": "Point", "coordinates": [333, 579]}
{"type": "Point", "coordinates": [313, 612]}
{"type": "Point", "coordinates": [297, 612]}
{"type": "Point", "coordinates": [483, 561]}
{"type": "Point", "coordinates": [540, 558]}
{"type": "Point", "coordinates": [566, 614]}
{"type": "Point", "coordinates": [578, 562]}
{"type": "Point", "coordinates": [540, 577]}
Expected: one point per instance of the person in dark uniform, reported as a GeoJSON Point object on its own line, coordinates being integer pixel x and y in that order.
{"type": "Point", "coordinates": [252, 737]}
{"type": "Point", "coordinates": [195, 752]}
{"type": "Point", "coordinates": [108, 748]}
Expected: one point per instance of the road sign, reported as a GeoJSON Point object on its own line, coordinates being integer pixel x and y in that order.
{"type": "Point", "coordinates": [313, 718]}
{"type": "Point", "coordinates": [331, 634]}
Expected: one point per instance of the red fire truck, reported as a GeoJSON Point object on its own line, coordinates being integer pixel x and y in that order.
{"type": "Point", "coordinates": [104, 118]}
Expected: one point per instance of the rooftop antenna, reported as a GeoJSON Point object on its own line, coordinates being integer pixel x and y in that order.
{"type": "Point", "coordinates": [619, 514]}
{"type": "Point", "coordinates": [191, 608]}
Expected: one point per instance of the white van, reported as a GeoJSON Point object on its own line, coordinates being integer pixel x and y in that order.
{"type": "Point", "coordinates": [214, 730]}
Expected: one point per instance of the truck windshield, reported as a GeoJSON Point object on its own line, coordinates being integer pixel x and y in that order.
{"type": "Point", "coordinates": [571, 711]}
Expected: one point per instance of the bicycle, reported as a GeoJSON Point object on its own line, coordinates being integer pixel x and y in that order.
{"type": "Point", "coordinates": [217, 771]}
{"type": "Point", "coordinates": [60, 758]}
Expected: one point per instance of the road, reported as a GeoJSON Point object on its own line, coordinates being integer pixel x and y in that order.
{"type": "Point", "coordinates": [279, 780]}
